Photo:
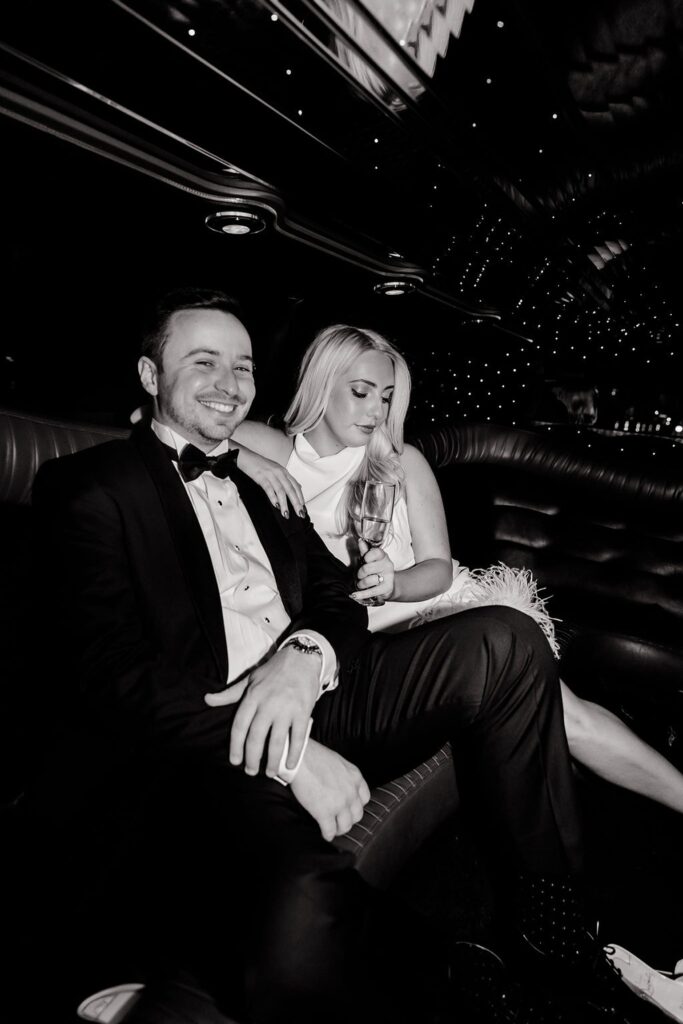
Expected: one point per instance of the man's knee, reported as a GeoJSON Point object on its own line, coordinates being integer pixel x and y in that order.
{"type": "Point", "coordinates": [504, 631]}
{"type": "Point", "coordinates": [514, 655]}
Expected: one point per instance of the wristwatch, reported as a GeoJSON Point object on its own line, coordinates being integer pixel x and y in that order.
{"type": "Point", "coordinates": [304, 644]}
{"type": "Point", "coordinates": [309, 645]}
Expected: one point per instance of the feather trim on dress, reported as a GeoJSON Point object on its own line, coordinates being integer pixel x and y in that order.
{"type": "Point", "coordinates": [499, 584]}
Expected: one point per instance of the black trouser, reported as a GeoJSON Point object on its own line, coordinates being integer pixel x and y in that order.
{"type": "Point", "coordinates": [250, 884]}
{"type": "Point", "coordinates": [485, 680]}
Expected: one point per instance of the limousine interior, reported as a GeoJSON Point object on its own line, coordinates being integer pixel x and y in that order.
{"type": "Point", "coordinates": [496, 187]}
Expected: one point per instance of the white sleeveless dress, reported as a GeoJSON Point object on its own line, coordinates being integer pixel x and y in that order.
{"type": "Point", "coordinates": [323, 480]}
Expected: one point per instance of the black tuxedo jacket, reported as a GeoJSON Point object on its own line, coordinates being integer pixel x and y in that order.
{"type": "Point", "coordinates": [131, 576]}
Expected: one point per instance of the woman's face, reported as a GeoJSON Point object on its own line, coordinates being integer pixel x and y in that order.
{"type": "Point", "coordinates": [359, 403]}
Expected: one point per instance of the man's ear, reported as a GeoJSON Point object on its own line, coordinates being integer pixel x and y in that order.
{"type": "Point", "coordinates": [148, 375]}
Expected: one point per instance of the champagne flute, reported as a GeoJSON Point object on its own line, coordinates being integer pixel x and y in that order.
{"type": "Point", "coordinates": [375, 515]}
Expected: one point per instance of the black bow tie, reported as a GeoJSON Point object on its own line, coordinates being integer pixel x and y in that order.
{"type": "Point", "coordinates": [192, 462]}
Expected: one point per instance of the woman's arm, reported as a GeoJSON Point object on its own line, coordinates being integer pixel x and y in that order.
{"type": "Point", "coordinates": [433, 570]}
{"type": "Point", "coordinates": [263, 454]}
{"type": "Point", "coordinates": [264, 440]}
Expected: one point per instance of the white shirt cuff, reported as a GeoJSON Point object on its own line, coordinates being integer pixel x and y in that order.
{"type": "Point", "coordinates": [284, 774]}
{"type": "Point", "coordinates": [329, 674]}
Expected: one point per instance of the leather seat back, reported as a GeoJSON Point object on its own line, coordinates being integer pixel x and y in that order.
{"type": "Point", "coordinates": [603, 538]}
{"type": "Point", "coordinates": [31, 688]}
{"type": "Point", "coordinates": [606, 541]}
{"type": "Point", "coordinates": [28, 441]}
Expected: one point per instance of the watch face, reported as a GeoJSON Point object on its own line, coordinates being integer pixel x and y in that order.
{"type": "Point", "coordinates": [306, 645]}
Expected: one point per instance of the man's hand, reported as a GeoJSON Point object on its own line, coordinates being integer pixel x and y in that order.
{"type": "Point", "coordinates": [278, 484]}
{"type": "Point", "coordinates": [276, 701]}
{"type": "Point", "coordinates": [331, 789]}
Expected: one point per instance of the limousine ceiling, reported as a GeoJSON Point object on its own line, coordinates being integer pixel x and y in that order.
{"type": "Point", "coordinates": [514, 165]}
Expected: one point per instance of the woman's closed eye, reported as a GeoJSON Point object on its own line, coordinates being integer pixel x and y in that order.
{"type": "Point", "coordinates": [386, 399]}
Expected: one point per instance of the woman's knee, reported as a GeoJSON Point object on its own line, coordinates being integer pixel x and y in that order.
{"type": "Point", "coordinates": [579, 718]}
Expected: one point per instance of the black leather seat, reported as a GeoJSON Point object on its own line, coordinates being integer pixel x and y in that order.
{"type": "Point", "coordinates": [603, 538]}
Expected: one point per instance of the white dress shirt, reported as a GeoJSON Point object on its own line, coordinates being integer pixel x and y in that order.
{"type": "Point", "coordinates": [254, 616]}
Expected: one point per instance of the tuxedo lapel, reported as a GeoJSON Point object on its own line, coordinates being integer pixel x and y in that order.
{"type": "Point", "coordinates": [270, 527]}
{"type": "Point", "coordinates": [189, 543]}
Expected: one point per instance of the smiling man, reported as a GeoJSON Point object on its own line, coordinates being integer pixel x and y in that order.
{"type": "Point", "coordinates": [178, 577]}
{"type": "Point", "coordinates": [200, 374]}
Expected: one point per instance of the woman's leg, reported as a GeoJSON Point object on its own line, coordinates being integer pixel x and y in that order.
{"type": "Point", "coordinates": [602, 742]}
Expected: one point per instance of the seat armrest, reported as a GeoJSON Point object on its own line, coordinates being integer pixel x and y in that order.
{"type": "Point", "coordinates": [400, 816]}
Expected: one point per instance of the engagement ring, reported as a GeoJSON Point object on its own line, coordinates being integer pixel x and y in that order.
{"type": "Point", "coordinates": [380, 578]}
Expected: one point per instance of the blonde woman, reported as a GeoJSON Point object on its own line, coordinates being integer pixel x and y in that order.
{"type": "Point", "coordinates": [344, 426]}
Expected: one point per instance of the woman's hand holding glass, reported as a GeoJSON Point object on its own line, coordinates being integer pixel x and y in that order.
{"type": "Point", "coordinates": [375, 576]}
{"type": "Point", "coordinates": [376, 510]}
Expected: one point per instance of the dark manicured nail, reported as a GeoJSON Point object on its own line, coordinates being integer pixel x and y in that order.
{"type": "Point", "coordinates": [277, 505]}
{"type": "Point", "coordinates": [302, 513]}
{"type": "Point", "coordinates": [286, 514]}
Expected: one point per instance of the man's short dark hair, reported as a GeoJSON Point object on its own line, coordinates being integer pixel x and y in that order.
{"type": "Point", "coordinates": [155, 329]}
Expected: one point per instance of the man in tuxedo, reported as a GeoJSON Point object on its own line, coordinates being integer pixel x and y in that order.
{"type": "Point", "coordinates": [177, 577]}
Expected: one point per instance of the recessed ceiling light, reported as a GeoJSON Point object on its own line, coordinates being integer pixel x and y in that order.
{"type": "Point", "coordinates": [236, 222]}
{"type": "Point", "coordinates": [235, 228]}
{"type": "Point", "coordinates": [394, 287]}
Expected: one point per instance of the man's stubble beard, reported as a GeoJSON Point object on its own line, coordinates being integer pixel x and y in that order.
{"type": "Point", "coordinates": [196, 427]}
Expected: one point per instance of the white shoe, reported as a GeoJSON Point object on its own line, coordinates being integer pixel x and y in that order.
{"type": "Point", "coordinates": [657, 987]}
{"type": "Point", "coordinates": [110, 1005]}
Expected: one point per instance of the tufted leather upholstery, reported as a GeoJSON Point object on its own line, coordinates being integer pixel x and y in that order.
{"type": "Point", "coordinates": [605, 540]}
{"type": "Point", "coordinates": [28, 441]}
{"type": "Point", "coordinates": [606, 543]}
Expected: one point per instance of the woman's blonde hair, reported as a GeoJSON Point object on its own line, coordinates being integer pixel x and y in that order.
{"type": "Point", "coordinates": [332, 352]}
